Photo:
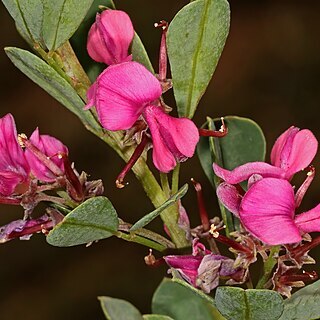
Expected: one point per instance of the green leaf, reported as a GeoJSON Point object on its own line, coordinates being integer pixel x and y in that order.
{"type": "Point", "coordinates": [139, 53]}
{"type": "Point", "coordinates": [181, 301]}
{"type": "Point", "coordinates": [239, 304]}
{"type": "Point", "coordinates": [28, 16]}
{"type": "Point", "coordinates": [244, 143]}
{"type": "Point", "coordinates": [92, 220]}
{"type": "Point", "coordinates": [304, 304]}
{"type": "Point", "coordinates": [48, 79]}
{"type": "Point", "coordinates": [152, 215]}
{"type": "Point", "coordinates": [155, 317]}
{"type": "Point", "coordinates": [117, 309]}
{"type": "Point", "coordinates": [196, 37]}
{"type": "Point", "coordinates": [61, 19]}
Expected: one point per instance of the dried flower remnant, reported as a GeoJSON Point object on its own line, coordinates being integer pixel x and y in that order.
{"type": "Point", "coordinates": [24, 229]}
{"type": "Point", "coordinates": [110, 37]}
{"type": "Point", "coordinates": [202, 269]}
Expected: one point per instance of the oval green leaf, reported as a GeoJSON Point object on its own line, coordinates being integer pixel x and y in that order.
{"type": "Point", "coordinates": [304, 304]}
{"type": "Point", "coordinates": [61, 18]}
{"type": "Point", "coordinates": [49, 80]}
{"type": "Point", "coordinates": [180, 301]}
{"type": "Point", "coordinates": [28, 16]}
{"type": "Point", "coordinates": [118, 309]}
{"type": "Point", "coordinates": [196, 37]}
{"type": "Point", "coordinates": [95, 219]}
{"type": "Point", "coordinates": [156, 317]}
{"type": "Point", "coordinates": [239, 304]}
{"type": "Point", "coordinates": [140, 54]}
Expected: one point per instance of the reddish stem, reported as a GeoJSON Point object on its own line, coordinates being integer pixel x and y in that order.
{"type": "Point", "coordinates": [133, 159]}
{"type": "Point", "coordinates": [13, 201]}
{"type": "Point", "coordinates": [202, 209]}
{"type": "Point", "coordinates": [306, 276]}
{"type": "Point", "coordinates": [231, 243]}
{"type": "Point", "coordinates": [222, 132]}
{"type": "Point", "coordinates": [74, 186]}
{"type": "Point", "coordinates": [163, 50]}
{"type": "Point", "coordinates": [305, 185]}
{"type": "Point", "coordinates": [299, 251]}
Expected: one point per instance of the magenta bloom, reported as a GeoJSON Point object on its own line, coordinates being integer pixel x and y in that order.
{"type": "Point", "coordinates": [293, 151]}
{"type": "Point", "coordinates": [125, 92]}
{"type": "Point", "coordinates": [52, 148]}
{"type": "Point", "coordinates": [110, 36]}
{"type": "Point", "coordinates": [14, 168]}
{"type": "Point", "coordinates": [267, 211]}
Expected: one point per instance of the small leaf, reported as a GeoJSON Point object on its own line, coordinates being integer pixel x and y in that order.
{"type": "Point", "coordinates": [48, 79]}
{"type": "Point", "coordinates": [239, 304]}
{"type": "Point", "coordinates": [117, 309]}
{"type": "Point", "coordinates": [61, 19]}
{"type": "Point", "coordinates": [28, 16]}
{"type": "Point", "coordinates": [181, 301]}
{"type": "Point", "coordinates": [155, 317]}
{"type": "Point", "coordinates": [152, 215]}
{"type": "Point", "coordinates": [196, 37]}
{"type": "Point", "coordinates": [304, 304]}
{"type": "Point", "coordinates": [92, 220]}
{"type": "Point", "coordinates": [139, 53]}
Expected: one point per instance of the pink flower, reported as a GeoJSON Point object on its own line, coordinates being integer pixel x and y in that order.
{"type": "Point", "coordinates": [110, 36]}
{"type": "Point", "coordinates": [52, 148]}
{"type": "Point", "coordinates": [293, 151]}
{"type": "Point", "coordinates": [267, 211]}
{"type": "Point", "coordinates": [14, 168]}
{"type": "Point", "coordinates": [123, 93]}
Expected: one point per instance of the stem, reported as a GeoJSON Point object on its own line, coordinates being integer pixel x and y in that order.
{"type": "Point", "coordinates": [175, 179]}
{"type": "Point", "coordinates": [74, 69]}
{"type": "Point", "coordinates": [124, 226]}
{"type": "Point", "coordinates": [268, 267]}
{"type": "Point", "coordinates": [44, 197]}
{"type": "Point", "coordinates": [165, 184]}
{"type": "Point", "coordinates": [133, 159]}
{"type": "Point", "coordinates": [137, 239]}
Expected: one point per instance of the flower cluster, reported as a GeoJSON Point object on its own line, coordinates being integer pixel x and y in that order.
{"type": "Point", "coordinates": [267, 208]}
{"type": "Point", "coordinates": [25, 175]}
{"type": "Point", "coordinates": [126, 92]}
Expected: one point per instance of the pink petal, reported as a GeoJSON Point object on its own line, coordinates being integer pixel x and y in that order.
{"type": "Point", "coordinates": [278, 153]}
{"type": "Point", "coordinates": [304, 149]}
{"type": "Point", "coordinates": [179, 136]}
{"type": "Point", "coordinates": [230, 197]}
{"type": "Point", "coordinates": [14, 169]}
{"type": "Point", "coordinates": [309, 221]}
{"type": "Point", "coordinates": [122, 92]}
{"type": "Point", "coordinates": [110, 36]}
{"type": "Point", "coordinates": [267, 211]}
{"type": "Point", "coordinates": [186, 265]}
{"type": "Point", "coordinates": [51, 147]}
{"type": "Point", "coordinates": [244, 172]}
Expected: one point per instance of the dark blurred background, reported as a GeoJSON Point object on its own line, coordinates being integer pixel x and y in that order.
{"type": "Point", "coordinates": [269, 71]}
